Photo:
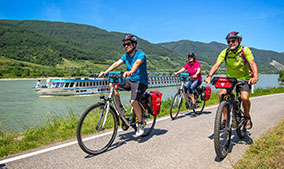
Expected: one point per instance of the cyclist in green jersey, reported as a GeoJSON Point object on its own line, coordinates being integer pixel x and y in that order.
{"type": "Point", "coordinates": [240, 67]}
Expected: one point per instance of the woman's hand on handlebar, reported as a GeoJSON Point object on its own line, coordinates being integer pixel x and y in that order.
{"type": "Point", "coordinates": [102, 74]}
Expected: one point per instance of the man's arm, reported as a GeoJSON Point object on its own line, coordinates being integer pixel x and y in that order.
{"type": "Point", "coordinates": [214, 68]}
{"type": "Point", "coordinates": [133, 69]}
{"type": "Point", "coordinates": [254, 69]}
{"type": "Point", "coordinates": [112, 67]}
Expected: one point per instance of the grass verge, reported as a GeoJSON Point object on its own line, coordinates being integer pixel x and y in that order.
{"type": "Point", "coordinates": [267, 152]}
{"type": "Point", "coordinates": [62, 128]}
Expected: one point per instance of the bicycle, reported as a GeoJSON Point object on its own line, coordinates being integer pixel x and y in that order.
{"type": "Point", "coordinates": [199, 96]}
{"type": "Point", "coordinates": [230, 108]}
{"type": "Point", "coordinates": [106, 116]}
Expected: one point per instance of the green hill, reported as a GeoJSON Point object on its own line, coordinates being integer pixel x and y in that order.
{"type": "Point", "coordinates": [209, 52]}
{"type": "Point", "coordinates": [55, 43]}
{"type": "Point", "coordinates": [42, 48]}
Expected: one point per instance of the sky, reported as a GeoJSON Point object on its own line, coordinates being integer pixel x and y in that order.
{"type": "Point", "coordinates": [261, 22]}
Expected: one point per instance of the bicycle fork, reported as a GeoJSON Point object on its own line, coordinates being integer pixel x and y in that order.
{"type": "Point", "coordinates": [106, 107]}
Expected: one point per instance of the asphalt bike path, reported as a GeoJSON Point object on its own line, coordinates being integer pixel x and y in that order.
{"type": "Point", "coordinates": [186, 142]}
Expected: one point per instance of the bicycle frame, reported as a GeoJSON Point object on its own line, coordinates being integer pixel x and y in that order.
{"type": "Point", "coordinates": [181, 89]}
{"type": "Point", "coordinates": [112, 99]}
{"type": "Point", "coordinates": [234, 101]}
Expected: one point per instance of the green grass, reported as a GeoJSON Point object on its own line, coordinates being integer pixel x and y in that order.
{"type": "Point", "coordinates": [61, 128]}
{"type": "Point", "coordinates": [55, 130]}
{"type": "Point", "coordinates": [267, 152]}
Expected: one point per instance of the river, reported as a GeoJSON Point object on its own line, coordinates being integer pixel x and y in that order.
{"type": "Point", "coordinates": [20, 107]}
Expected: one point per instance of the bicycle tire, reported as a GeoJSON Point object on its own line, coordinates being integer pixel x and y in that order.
{"type": "Point", "coordinates": [87, 130]}
{"type": "Point", "coordinates": [149, 123]}
{"type": "Point", "coordinates": [241, 125]}
{"type": "Point", "coordinates": [222, 145]}
{"type": "Point", "coordinates": [200, 104]}
{"type": "Point", "coordinates": [176, 105]}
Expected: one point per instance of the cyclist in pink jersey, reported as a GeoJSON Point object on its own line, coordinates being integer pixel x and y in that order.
{"type": "Point", "coordinates": [194, 69]}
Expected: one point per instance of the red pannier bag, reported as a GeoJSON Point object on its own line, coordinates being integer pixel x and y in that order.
{"type": "Point", "coordinates": [154, 99]}
{"type": "Point", "coordinates": [207, 92]}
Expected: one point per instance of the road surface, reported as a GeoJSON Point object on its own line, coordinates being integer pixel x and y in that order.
{"type": "Point", "coordinates": [186, 142]}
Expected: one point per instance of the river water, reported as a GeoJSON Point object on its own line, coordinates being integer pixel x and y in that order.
{"type": "Point", "coordinates": [20, 107]}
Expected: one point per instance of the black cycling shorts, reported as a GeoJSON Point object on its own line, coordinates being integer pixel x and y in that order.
{"type": "Point", "coordinates": [137, 89]}
{"type": "Point", "coordinates": [243, 86]}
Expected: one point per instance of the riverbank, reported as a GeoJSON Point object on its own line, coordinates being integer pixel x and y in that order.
{"type": "Point", "coordinates": [61, 128]}
{"type": "Point", "coordinates": [22, 79]}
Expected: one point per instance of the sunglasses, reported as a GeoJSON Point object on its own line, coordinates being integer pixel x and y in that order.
{"type": "Point", "coordinates": [127, 44]}
{"type": "Point", "coordinates": [231, 41]}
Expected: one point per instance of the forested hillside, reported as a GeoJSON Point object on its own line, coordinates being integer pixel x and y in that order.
{"type": "Point", "coordinates": [42, 48]}
{"type": "Point", "coordinates": [209, 52]}
{"type": "Point", "coordinates": [55, 43]}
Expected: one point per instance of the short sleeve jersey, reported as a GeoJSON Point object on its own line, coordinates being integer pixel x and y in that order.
{"type": "Point", "coordinates": [236, 67]}
{"type": "Point", "coordinates": [192, 69]}
{"type": "Point", "coordinates": [140, 75]}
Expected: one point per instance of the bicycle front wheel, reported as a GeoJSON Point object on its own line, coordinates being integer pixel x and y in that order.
{"type": "Point", "coordinates": [222, 130]}
{"type": "Point", "coordinates": [241, 125]}
{"type": "Point", "coordinates": [176, 105]}
{"type": "Point", "coordinates": [200, 104]}
{"type": "Point", "coordinates": [97, 129]}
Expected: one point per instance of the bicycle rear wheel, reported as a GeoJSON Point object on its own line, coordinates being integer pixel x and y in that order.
{"type": "Point", "coordinates": [200, 104]}
{"type": "Point", "coordinates": [149, 123]}
{"type": "Point", "coordinates": [175, 105]}
{"type": "Point", "coordinates": [222, 134]}
{"type": "Point", "coordinates": [89, 128]}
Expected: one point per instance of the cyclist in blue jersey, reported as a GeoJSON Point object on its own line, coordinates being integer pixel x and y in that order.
{"type": "Point", "coordinates": [136, 76]}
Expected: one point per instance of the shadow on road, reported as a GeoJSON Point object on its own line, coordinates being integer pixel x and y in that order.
{"type": "Point", "coordinates": [234, 141]}
{"type": "Point", "coordinates": [2, 166]}
{"type": "Point", "coordinates": [192, 114]}
{"type": "Point", "coordinates": [130, 136]}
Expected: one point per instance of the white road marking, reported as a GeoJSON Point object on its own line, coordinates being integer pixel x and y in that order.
{"type": "Point", "coordinates": [103, 134]}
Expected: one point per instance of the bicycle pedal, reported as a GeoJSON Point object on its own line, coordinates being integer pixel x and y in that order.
{"type": "Point", "coordinates": [99, 128]}
{"type": "Point", "coordinates": [146, 116]}
{"type": "Point", "coordinates": [124, 127]}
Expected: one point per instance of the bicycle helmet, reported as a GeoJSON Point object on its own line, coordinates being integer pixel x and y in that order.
{"type": "Point", "coordinates": [130, 37]}
{"type": "Point", "coordinates": [234, 35]}
{"type": "Point", "coordinates": [192, 54]}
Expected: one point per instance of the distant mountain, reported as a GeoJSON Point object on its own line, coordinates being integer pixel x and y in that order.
{"type": "Point", "coordinates": [42, 48]}
{"type": "Point", "coordinates": [52, 43]}
{"type": "Point", "coordinates": [208, 52]}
